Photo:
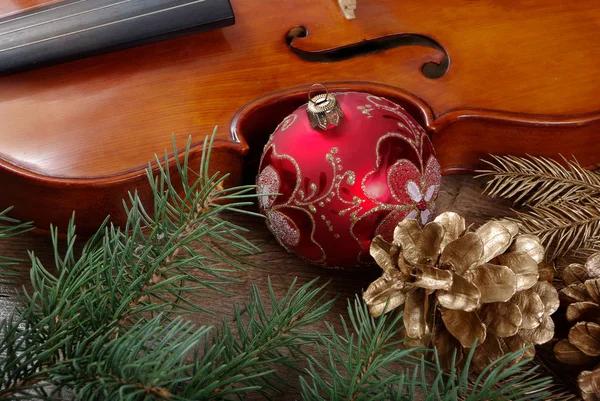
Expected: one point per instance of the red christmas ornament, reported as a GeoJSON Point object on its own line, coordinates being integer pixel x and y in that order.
{"type": "Point", "coordinates": [347, 166]}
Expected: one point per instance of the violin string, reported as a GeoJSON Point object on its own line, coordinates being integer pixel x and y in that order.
{"type": "Point", "coordinates": [41, 11]}
{"type": "Point", "coordinates": [66, 17]}
{"type": "Point", "coordinates": [102, 25]}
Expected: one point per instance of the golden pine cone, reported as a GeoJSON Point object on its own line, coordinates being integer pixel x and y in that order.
{"type": "Point", "coordinates": [459, 286]}
{"type": "Point", "coordinates": [582, 347]}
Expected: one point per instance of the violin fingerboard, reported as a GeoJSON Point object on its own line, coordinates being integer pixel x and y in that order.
{"type": "Point", "coordinates": [75, 29]}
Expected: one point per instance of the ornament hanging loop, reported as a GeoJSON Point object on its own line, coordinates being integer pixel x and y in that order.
{"type": "Point", "coordinates": [312, 87]}
{"type": "Point", "coordinates": [323, 110]}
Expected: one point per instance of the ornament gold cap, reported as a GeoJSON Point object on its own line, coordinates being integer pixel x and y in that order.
{"type": "Point", "coordinates": [323, 110]}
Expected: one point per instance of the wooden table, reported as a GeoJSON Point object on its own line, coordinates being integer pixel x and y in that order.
{"type": "Point", "coordinates": [459, 193]}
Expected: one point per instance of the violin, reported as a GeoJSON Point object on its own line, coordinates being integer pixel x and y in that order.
{"type": "Point", "coordinates": [483, 76]}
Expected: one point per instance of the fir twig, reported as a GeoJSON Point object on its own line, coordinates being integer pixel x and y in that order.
{"type": "Point", "coordinates": [501, 380]}
{"type": "Point", "coordinates": [10, 227]}
{"type": "Point", "coordinates": [266, 338]}
{"type": "Point", "coordinates": [359, 363]}
{"type": "Point", "coordinates": [563, 201]}
{"type": "Point", "coordinates": [159, 360]}
{"type": "Point", "coordinates": [564, 225]}
{"type": "Point", "coordinates": [539, 181]}
{"type": "Point", "coordinates": [366, 362]}
{"type": "Point", "coordinates": [124, 277]}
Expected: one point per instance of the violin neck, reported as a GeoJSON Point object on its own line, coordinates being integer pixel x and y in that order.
{"type": "Point", "coordinates": [76, 29]}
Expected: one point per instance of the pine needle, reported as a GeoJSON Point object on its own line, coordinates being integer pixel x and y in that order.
{"type": "Point", "coordinates": [536, 181]}
{"type": "Point", "coordinates": [367, 362]}
{"type": "Point", "coordinates": [10, 227]}
{"type": "Point", "coordinates": [564, 226]}
{"type": "Point", "coordinates": [563, 201]}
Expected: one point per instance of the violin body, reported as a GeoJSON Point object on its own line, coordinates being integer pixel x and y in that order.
{"type": "Point", "coordinates": [486, 76]}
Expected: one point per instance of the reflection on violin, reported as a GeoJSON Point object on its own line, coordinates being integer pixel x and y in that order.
{"type": "Point", "coordinates": [490, 76]}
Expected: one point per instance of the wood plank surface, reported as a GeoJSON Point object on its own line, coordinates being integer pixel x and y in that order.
{"type": "Point", "coordinates": [460, 193]}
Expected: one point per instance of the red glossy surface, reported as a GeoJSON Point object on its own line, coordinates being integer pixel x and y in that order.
{"type": "Point", "coordinates": [343, 186]}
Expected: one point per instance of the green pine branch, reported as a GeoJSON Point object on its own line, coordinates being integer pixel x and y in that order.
{"type": "Point", "coordinates": [357, 364]}
{"type": "Point", "coordinates": [367, 362]}
{"type": "Point", "coordinates": [268, 339]}
{"type": "Point", "coordinates": [124, 277]}
{"type": "Point", "coordinates": [166, 360]}
{"type": "Point", "coordinates": [10, 227]}
{"type": "Point", "coordinates": [178, 361]}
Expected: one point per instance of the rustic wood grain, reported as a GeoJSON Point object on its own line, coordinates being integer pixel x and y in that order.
{"type": "Point", "coordinates": [459, 193]}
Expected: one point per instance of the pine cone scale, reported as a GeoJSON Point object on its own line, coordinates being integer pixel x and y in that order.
{"type": "Point", "coordinates": [529, 244]}
{"type": "Point", "coordinates": [583, 311]}
{"type": "Point", "coordinates": [574, 274]}
{"type": "Point", "coordinates": [589, 383]}
{"type": "Point", "coordinates": [531, 306]}
{"type": "Point", "coordinates": [582, 346]}
{"type": "Point", "coordinates": [502, 319]}
{"type": "Point", "coordinates": [570, 354]}
{"type": "Point", "coordinates": [593, 289]}
{"type": "Point", "coordinates": [586, 337]}
{"type": "Point", "coordinates": [466, 327]}
{"type": "Point", "coordinates": [462, 254]}
{"type": "Point", "coordinates": [385, 294]}
{"type": "Point", "coordinates": [414, 313]}
{"type": "Point", "coordinates": [431, 278]}
{"type": "Point", "coordinates": [523, 266]}
{"type": "Point", "coordinates": [496, 283]}
{"type": "Point", "coordinates": [541, 334]}
{"type": "Point", "coordinates": [463, 295]}
{"type": "Point", "coordinates": [496, 239]}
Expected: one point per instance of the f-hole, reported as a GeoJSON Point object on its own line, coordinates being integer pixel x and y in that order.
{"type": "Point", "coordinates": [431, 69]}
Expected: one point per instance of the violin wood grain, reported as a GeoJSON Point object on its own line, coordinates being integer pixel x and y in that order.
{"type": "Point", "coordinates": [521, 79]}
